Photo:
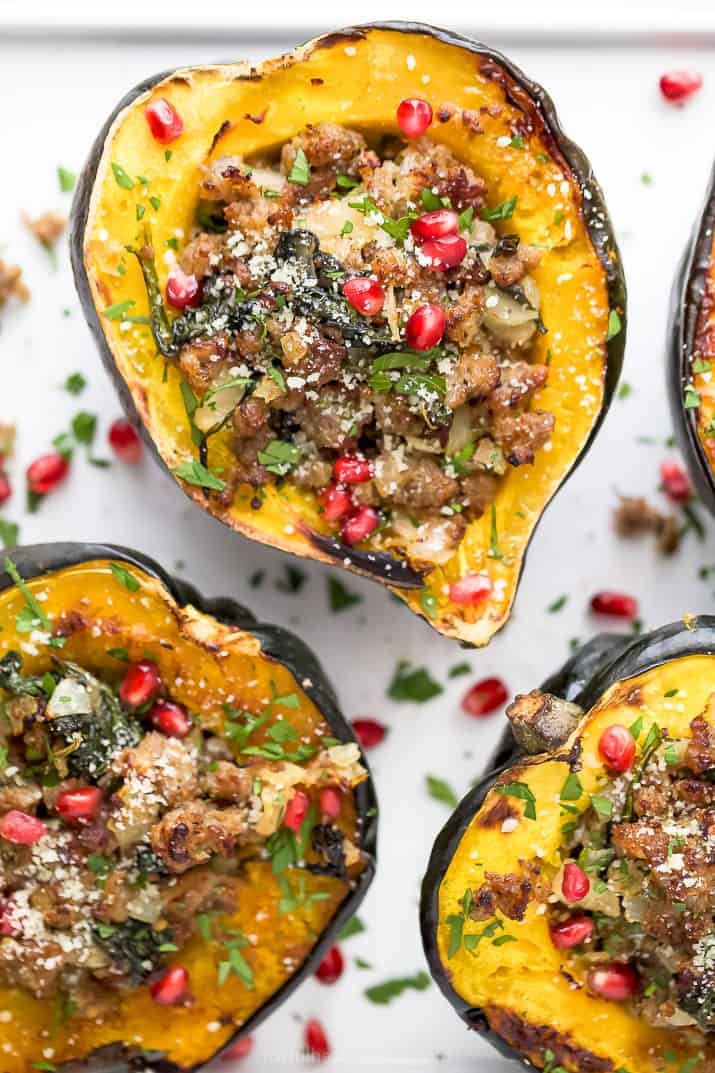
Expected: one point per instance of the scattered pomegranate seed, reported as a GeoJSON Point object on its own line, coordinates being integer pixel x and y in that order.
{"type": "Point", "coordinates": [364, 294]}
{"type": "Point", "coordinates": [330, 803]}
{"type": "Point", "coordinates": [316, 1042]}
{"type": "Point", "coordinates": [364, 521]}
{"type": "Point", "coordinates": [170, 718]}
{"type": "Point", "coordinates": [164, 121]}
{"type": "Point", "coordinates": [171, 988]}
{"type": "Point", "coordinates": [616, 981]}
{"type": "Point", "coordinates": [331, 967]}
{"type": "Point", "coordinates": [679, 86]}
{"type": "Point", "coordinates": [46, 473]}
{"type": "Point", "coordinates": [240, 1049]}
{"type": "Point", "coordinates": [125, 442]}
{"type": "Point", "coordinates": [182, 291]}
{"type": "Point", "coordinates": [471, 589]}
{"type": "Point", "coordinates": [8, 925]}
{"type": "Point", "coordinates": [369, 732]}
{"type": "Point", "coordinates": [572, 932]}
{"type": "Point", "coordinates": [575, 884]}
{"type": "Point", "coordinates": [485, 697]}
{"type": "Point", "coordinates": [336, 502]}
{"type": "Point", "coordinates": [296, 810]}
{"type": "Point", "coordinates": [140, 684]}
{"type": "Point", "coordinates": [435, 224]}
{"type": "Point", "coordinates": [352, 470]}
{"type": "Point", "coordinates": [676, 483]}
{"type": "Point", "coordinates": [5, 487]}
{"type": "Point", "coordinates": [19, 827]}
{"type": "Point", "coordinates": [414, 115]}
{"type": "Point", "coordinates": [444, 253]}
{"type": "Point", "coordinates": [617, 746]}
{"type": "Point", "coordinates": [617, 604]}
{"type": "Point", "coordinates": [425, 327]}
{"type": "Point", "coordinates": [82, 803]}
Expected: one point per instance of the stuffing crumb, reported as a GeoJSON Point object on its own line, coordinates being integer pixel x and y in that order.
{"type": "Point", "coordinates": [46, 228]}
{"type": "Point", "coordinates": [11, 284]}
{"type": "Point", "coordinates": [634, 516]}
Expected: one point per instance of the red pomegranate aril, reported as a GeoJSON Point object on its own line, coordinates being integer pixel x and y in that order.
{"type": "Point", "coordinates": [140, 684]}
{"type": "Point", "coordinates": [444, 253]}
{"type": "Point", "coordinates": [369, 732]}
{"type": "Point", "coordinates": [414, 116]}
{"type": "Point", "coordinates": [352, 470]}
{"type": "Point", "coordinates": [676, 483]}
{"type": "Point", "coordinates": [171, 988]}
{"type": "Point", "coordinates": [616, 981]}
{"type": "Point", "coordinates": [364, 521]}
{"type": "Point", "coordinates": [471, 589]}
{"type": "Point", "coordinates": [8, 925]}
{"type": "Point", "coordinates": [571, 932]}
{"type": "Point", "coordinates": [296, 810]}
{"type": "Point", "coordinates": [425, 327]}
{"type": "Point", "coordinates": [364, 294]}
{"type": "Point", "coordinates": [679, 86]}
{"type": "Point", "coordinates": [575, 884]}
{"type": "Point", "coordinates": [617, 604]}
{"type": "Point", "coordinates": [617, 747]}
{"type": "Point", "coordinates": [21, 828]}
{"type": "Point", "coordinates": [182, 290]}
{"type": "Point", "coordinates": [82, 803]}
{"type": "Point", "coordinates": [240, 1049]}
{"type": "Point", "coordinates": [435, 224]}
{"type": "Point", "coordinates": [330, 803]}
{"type": "Point", "coordinates": [336, 502]}
{"type": "Point", "coordinates": [170, 718]}
{"type": "Point", "coordinates": [485, 697]}
{"type": "Point", "coordinates": [331, 967]}
{"type": "Point", "coordinates": [124, 441]}
{"type": "Point", "coordinates": [5, 487]}
{"type": "Point", "coordinates": [316, 1041]}
{"type": "Point", "coordinates": [164, 121]}
{"type": "Point", "coordinates": [46, 473]}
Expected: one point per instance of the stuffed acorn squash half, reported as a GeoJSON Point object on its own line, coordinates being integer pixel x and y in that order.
{"type": "Point", "coordinates": [568, 910]}
{"type": "Point", "coordinates": [185, 818]}
{"type": "Point", "coordinates": [364, 300]}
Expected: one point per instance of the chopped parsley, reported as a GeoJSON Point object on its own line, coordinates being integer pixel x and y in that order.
{"type": "Point", "coordinates": [194, 472]}
{"type": "Point", "coordinates": [691, 398]}
{"type": "Point", "coordinates": [441, 791]}
{"type": "Point", "coordinates": [339, 597]}
{"type": "Point", "coordinates": [614, 325]}
{"type": "Point", "coordinates": [524, 793]}
{"type": "Point", "coordinates": [428, 603]}
{"type": "Point", "coordinates": [558, 604]}
{"type": "Point", "coordinates": [354, 926]}
{"type": "Point", "coordinates": [382, 994]}
{"type": "Point", "coordinates": [84, 426]}
{"type": "Point", "coordinates": [495, 551]}
{"type": "Point", "coordinates": [572, 790]}
{"type": "Point", "coordinates": [293, 580]}
{"type": "Point", "coordinates": [75, 383]}
{"type": "Point", "coordinates": [279, 457]}
{"type": "Point", "coordinates": [123, 180]}
{"type": "Point", "coordinates": [9, 533]}
{"type": "Point", "coordinates": [31, 616]}
{"type": "Point", "coordinates": [300, 172]}
{"type": "Point", "coordinates": [235, 962]}
{"type": "Point", "coordinates": [66, 179]}
{"type": "Point", "coordinates": [459, 669]}
{"type": "Point", "coordinates": [413, 684]}
{"type": "Point", "coordinates": [118, 310]}
{"type": "Point", "coordinates": [123, 576]}
{"type": "Point", "coordinates": [504, 211]}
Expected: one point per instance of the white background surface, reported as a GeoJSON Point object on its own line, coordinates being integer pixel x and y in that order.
{"type": "Point", "coordinates": [55, 90]}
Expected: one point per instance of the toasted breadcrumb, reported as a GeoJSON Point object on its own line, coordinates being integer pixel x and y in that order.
{"type": "Point", "coordinates": [46, 228]}
{"type": "Point", "coordinates": [11, 284]}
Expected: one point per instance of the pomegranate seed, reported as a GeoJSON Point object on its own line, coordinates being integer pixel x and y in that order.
{"type": "Point", "coordinates": [336, 502]}
{"type": "Point", "coordinates": [414, 115]}
{"type": "Point", "coordinates": [364, 521]}
{"type": "Point", "coordinates": [364, 294]}
{"type": "Point", "coordinates": [296, 810]}
{"type": "Point", "coordinates": [352, 470]}
{"type": "Point", "coordinates": [425, 327]}
{"type": "Point", "coordinates": [172, 987]}
{"type": "Point", "coordinates": [5, 487]}
{"type": "Point", "coordinates": [240, 1049]}
{"type": "Point", "coordinates": [140, 684]}
{"type": "Point", "coordinates": [316, 1042]}
{"type": "Point", "coordinates": [616, 981]}
{"type": "Point", "coordinates": [125, 442]}
{"type": "Point", "coordinates": [170, 718]}
{"type": "Point", "coordinates": [679, 86]}
{"type": "Point", "coordinates": [21, 828]}
{"type": "Point", "coordinates": [330, 803]}
{"type": "Point", "coordinates": [617, 747]}
{"type": "Point", "coordinates": [8, 925]}
{"type": "Point", "coordinates": [575, 884]}
{"type": "Point", "coordinates": [471, 589]}
{"type": "Point", "coordinates": [331, 967]}
{"type": "Point", "coordinates": [444, 253]}
{"type": "Point", "coordinates": [182, 291]}
{"type": "Point", "coordinates": [572, 932]}
{"type": "Point", "coordinates": [676, 483]}
{"type": "Point", "coordinates": [369, 732]}
{"type": "Point", "coordinates": [82, 803]}
{"type": "Point", "coordinates": [46, 473]}
{"type": "Point", "coordinates": [617, 604]}
{"type": "Point", "coordinates": [164, 121]}
{"type": "Point", "coordinates": [485, 697]}
{"type": "Point", "coordinates": [435, 224]}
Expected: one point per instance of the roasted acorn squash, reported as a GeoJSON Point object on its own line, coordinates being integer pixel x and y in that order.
{"type": "Point", "coordinates": [495, 121]}
{"type": "Point", "coordinates": [501, 968]}
{"type": "Point", "coordinates": [107, 605]}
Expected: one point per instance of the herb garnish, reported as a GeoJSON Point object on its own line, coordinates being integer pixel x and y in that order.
{"type": "Point", "coordinates": [504, 211]}
{"type": "Point", "coordinates": [31, 616]}
{"type": "Point", "coordinates": [441, 791]}
{"type": "Point", "coordinates": [354, 926]}
{"type": "Point", "coordinates": [122, 575]}
{"type": "Point", "coordinates": [523, 792]}
{"type": "Point", "coordinates": [279, 457]}
{"type": "Point", "coordinates": [75, 383]}
{"type": "Point", "coordinates": [416, 685]}
{"type": "Point", "coordinates": [614, 325]}
{"type": "Point", "coordinates": [123, 180]}
{"type": "Point", "coordinates": [300, 172]}
{"type": "Point", "coordinates": [194, 473]}
{"type": "Point", "coordinates": [66, 179]}
{"type": "Point", "coordinates": [383, 993]}
{"type": "Point", "coordinates": [339, 597]}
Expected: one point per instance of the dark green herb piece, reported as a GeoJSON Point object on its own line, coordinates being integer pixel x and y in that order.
{"type": "Point", "coordinates": [413, 684]}
{"type": "Point", "coordinates": [494, 549]}
{"type": "Point", "coordinates": [66, 179]}
{"type": "Point", "coordinates": [75, 383]}
{"type": "Point", "coordinates": [428, 603]}
{"type": "Point", "coordinates": [691, 399]}
{"type": "Point", "coordinates": [466, 218]}
{"type": "Point", "coordinates": [523, 792]}
{"type": "Point", "coordinates": [572, 790]}
{"type": "Point", "coordinates": [354, 926]}
{"type": "Point", "coordinates": [614, 325]}
{"type": "Point", "coordinates": [293, 581]}
{"type": "Point", "coordinates": [194, 473]}
{"type": "Point", "coordinates": [339, 597]}
{"type": "Point", "coordinates": [382, 994]}
{"type": "Point", "coordinates": [9, 533]}
{"type": "Point", "coordinates": [557, 605]}
{"type": "Point", "coordinates": [624, 391]}
{"type": "Point", "coordinates": [459, 669]}
{"type": "Point", "coordinates": [32, 616]}
{"type": "Point", "coordinates": [124, 577]}
{"type": "Point", "coordinates": [118, 310]}
{"type": "Point", "coordinates": [441, 791]}
{"type": "Point", "coordinates": [123, 180]}
{"type": "Point", "coordinates": [84, 426]}
{"type": "Point", "coordinates": [119, 653]}
{"type": "Point", "coordinates": [504, 211]}
{"type": "Point", "coordinates": [602, 805]}
{"type": "Point", "coordinates": [279, 457]}
{"type": "Point", "coordinates": [300, 172]}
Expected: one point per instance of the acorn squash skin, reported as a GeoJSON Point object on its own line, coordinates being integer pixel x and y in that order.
{"type": "Point", "coordinates": [260, 644]}
{"type": "Point", "coordinates": [522, 497]}
{"type": "Point", "coordinates": [602, 663]}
